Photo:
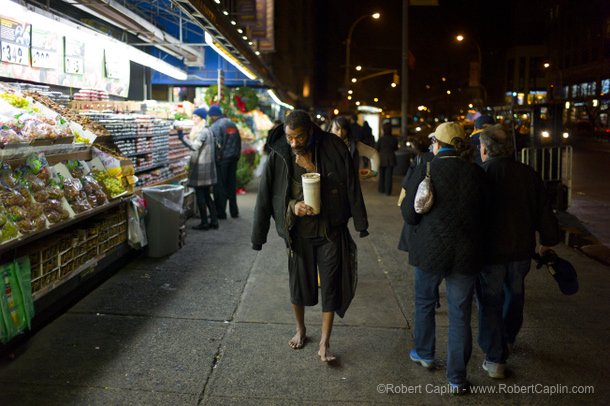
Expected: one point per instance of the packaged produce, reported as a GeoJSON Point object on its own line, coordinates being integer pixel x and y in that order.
{"type": "Point", "coordinates": [95, 193]}
{"type": "Point", "coordinates": [8, 229]}
{"type": "Point", "coordinates": [37, 163]}
{"type": "Point", "coordinates": [113, 185]}
{"type": "Point", "coordinates": [76, 196]}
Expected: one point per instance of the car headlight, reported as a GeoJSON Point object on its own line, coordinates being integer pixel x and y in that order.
{"type": "Point", "coordinates": [545, 134]}
{"type": "Point", "coordinates": [566, 135]}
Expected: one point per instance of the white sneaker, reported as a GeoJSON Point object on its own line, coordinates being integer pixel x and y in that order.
{"type": "Point", "coordinates": [494, 370]}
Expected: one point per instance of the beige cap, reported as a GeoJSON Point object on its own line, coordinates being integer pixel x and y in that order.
{"type": "Point", "coordinates": [448, 131]}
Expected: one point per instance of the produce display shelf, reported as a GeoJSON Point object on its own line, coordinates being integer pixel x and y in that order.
{"type": "Point", "coordinates": [148, 168]}
{"type": "Point", "coordinates": [5, 247]}
{"type": "Point", "coordinates": [140, 153]}
{"type": "Point", "coordinates": [92, 263]}
{"type": "Point", "coordinates": [173, 161]}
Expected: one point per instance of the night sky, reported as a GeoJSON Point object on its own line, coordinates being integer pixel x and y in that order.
{"type": "Point", "coordinates": [494, 25]}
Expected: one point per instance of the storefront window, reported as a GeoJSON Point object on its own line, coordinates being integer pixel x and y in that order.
{"type": "Point", "coordinates": [605, 86]}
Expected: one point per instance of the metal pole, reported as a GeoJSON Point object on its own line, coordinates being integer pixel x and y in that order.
{"type": "Point", "coordinates": [405, 70]}
{"type": "Point", "coordinates": [348, 44]}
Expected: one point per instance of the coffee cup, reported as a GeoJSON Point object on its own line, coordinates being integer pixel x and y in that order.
{"type": "Point", "coordinates": [311, 190]}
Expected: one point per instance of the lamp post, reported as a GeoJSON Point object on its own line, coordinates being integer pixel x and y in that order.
{"type": "Point", "coordinates": [348, 48]}
{"type": "Point", "coordinates": [480, 85]}
{"type": "Point", "coordinates": [553, 93]}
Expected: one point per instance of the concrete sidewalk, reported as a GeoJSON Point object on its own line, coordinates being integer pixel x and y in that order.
{"type": "Point", "coordinates": [210, 325]}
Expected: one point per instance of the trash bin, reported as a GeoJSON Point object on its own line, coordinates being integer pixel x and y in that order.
{"type": "Point", "coordinates": [164, 203]}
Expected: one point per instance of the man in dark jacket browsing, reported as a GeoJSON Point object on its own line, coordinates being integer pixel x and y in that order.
{"type": "Point", "coordinates": [518, 207]}
{"type": "Point", "coordinates": [228, 142]}
{"type": "Point", "coordinates": [316, 242]}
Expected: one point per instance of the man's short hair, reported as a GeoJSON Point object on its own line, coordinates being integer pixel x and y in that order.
{"type": "Point", "coordinates": [497, 141]}
{"type": "Point", "coordinates": [298, 119]}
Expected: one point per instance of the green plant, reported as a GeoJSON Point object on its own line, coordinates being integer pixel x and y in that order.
{"type": "Point", "coordinates": [245, 172]}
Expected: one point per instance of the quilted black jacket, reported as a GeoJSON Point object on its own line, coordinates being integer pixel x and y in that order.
{"type": "Point", "coordinates": [341, 197]}
{"type": "Point", "coordinates": [449, 237]}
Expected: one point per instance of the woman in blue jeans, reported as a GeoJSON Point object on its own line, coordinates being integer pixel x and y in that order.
{"type": "Point", "coordinates": [446, 244]}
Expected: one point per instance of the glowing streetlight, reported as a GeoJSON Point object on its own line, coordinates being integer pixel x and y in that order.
{"type": "Point", "coordinates": [348, 44]}
{"type": "Point", "coordinates": [461, 38]}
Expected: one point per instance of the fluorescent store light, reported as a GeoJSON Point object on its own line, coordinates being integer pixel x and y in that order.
{"type": "Point", "coordinates": [157, 64]}
{"type": "Point", "coordinates": [90, 37]}
{"type": "Point", "coordinates": [278, 101]}
{"type": "Point", "coordinates": [227, 56]}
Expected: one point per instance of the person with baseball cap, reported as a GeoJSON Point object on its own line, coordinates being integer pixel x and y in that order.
{"type": "Point", "coordinates": [446, 243]}
{"type": "Point", "coordinates": [228, 140]}
{"type": "Point", "coordinates": [481, 123]}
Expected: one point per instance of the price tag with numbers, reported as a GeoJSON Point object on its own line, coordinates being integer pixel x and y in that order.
{"type": "Point", "coordinates": [73, 65]}
{"type": "Point", "coordinates": [14, 53]}
{"type": "Point", "coordinates": [44, 59]}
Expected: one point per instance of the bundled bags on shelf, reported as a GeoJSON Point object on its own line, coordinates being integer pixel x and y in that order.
{"type": "Point", "coordinates": [16, 304]}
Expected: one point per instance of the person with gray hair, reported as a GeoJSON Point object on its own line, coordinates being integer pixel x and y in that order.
{"type": "Point", "coordinates": [518, 206]}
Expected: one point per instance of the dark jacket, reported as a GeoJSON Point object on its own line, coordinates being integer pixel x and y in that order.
{"type": "Point", "coordinates": [387, 146]}
{"type": "Point", "coordinates": [403, 243]}
{"type": "Point", "coordinates": [519, 206]}
{"type": "Point", "coordinates": [341, 197]}
{"type": "Point", "coordinates": [449, 237]}
{"type": "Point", "coordinates": [227, 136]}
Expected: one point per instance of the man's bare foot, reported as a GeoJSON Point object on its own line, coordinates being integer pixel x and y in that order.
{"type": "Point", "coordinates": [325, 354]}
{"type": "Point", "coordinates": [298, 340]}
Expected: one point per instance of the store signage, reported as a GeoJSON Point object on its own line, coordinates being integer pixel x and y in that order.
{"type": "Point", "coordinates": [74, 56]}
{"type": "Point", "coordinates": [259, 29]}
{"type": "Point", "coordinates": [44, 48]}
{"type": "Point", "coordinates": [15, 41]}
{"type": "Point", "coordinates": [246, 12]}
{"type": "Point", "coordinates": [113, 64]}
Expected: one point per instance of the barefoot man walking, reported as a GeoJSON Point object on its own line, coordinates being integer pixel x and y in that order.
{"type": "Point", "coordinates": [316, 242]}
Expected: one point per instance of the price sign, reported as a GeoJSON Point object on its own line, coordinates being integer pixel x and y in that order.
{"type": "Point", "coordinates": [74, 56]}
{"type": "Point", "coordinates": [44, 49]}
{"type": "Point", "coordinates": [73, 65]}
{"type": "Point", "coordinates": [44, 59]}
{"type": "Point", "coordinates": [14, 53]}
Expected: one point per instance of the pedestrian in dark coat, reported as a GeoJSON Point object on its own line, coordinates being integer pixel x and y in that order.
{"type": "Point", "coordinates": [316, 242]}
{"type": "Point", "coordinates": [228, 140]}
{"type": "Point", "coordinates": [518, 208]}
{"type": "Point", "coordinates": [446, 244]}
{"type": "Point", "coordinates": [387, 146]}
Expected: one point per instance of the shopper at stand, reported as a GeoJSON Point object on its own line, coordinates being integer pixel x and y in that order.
{"type": "Point", "coordinates": [447, 244]}
{"type": "Point", "coordinates": [387, 146]}
{"type": "Point", "coordinates": [202, 168]}
{"type": "Point", "coordinates": [341, 128]}
{"type": "Point", "coordinates": [518, 207]}
{"type": "Point", "coordinates": [319, 242]}
{"type": "Point", "coordinates": [229, 140]}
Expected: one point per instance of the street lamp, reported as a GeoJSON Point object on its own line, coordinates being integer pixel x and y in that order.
{"type": "Point", "coordinates": [553, 91]}
{"type": "Point", "coordinates": [348, 47]}
{"type": "Point", "coordinates": [480, 85]}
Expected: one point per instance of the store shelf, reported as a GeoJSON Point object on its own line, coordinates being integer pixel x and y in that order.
{"type": "Point", "coordinates": [5, 247]}
{"type": "Point", "coordinates": [141, 153]}
{"type": "Point", "coordinates": [160, 165]}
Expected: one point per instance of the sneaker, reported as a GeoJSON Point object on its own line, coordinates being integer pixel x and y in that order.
{"type": "Point", "coordinates": [494, 370]}
{"type": "Point", "coordinates": [458, 388]}
{"type": "Point", "coordinates": [426, 363]}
